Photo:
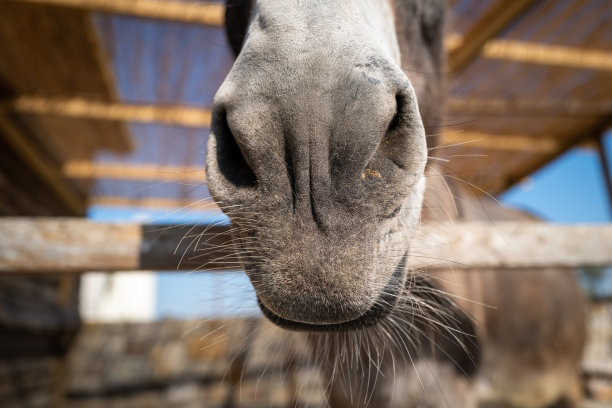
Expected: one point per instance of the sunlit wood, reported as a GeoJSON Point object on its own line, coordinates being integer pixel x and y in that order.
{"type": "Point", "coordinates": [183, 11]}
{"type": "Point", "coordinates": [547, 54]}
{"type": "Point", "coordinates": [540, 144]}
{"type": "Point", "coordinates": [452, 41]}
{"type": "Point", "coordinates": [524, 107]}
{"type": "Point", "coordinates": [88, 109]}
{"type": "Point", "coordinates": [73, 245]}
{"type": "Point", "coordinates": [188, 116]}
{"type": "Point", "coordinates": [154, 203]}
{"type": "Point", "coordinates": [79, 169]}
{"type": "Point", "coordinates": [497, 17]}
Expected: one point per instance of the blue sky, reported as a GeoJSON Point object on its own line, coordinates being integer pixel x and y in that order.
{"type": "Point", "coordinates": [569, 190]}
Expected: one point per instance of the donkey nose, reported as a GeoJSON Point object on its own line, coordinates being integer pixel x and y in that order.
{"type": "Point", "coordinates": [325, 151]}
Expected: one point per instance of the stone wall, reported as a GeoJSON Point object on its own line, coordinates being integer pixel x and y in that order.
{"type": "Point", "coordinates": [226, 363]}
{"type": "Point", "coordinates": [241, 363]}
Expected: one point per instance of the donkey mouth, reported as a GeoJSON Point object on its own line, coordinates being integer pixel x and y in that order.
{"type": "Point", "coordinates": [380, 309]}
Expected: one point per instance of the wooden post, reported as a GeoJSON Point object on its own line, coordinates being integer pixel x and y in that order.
{"type": "Point", "coordinates": [605, 169]}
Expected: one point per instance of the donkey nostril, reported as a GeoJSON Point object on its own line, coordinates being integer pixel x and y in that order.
{"type": "Point", "coordinates": [400, 112]}
{"type": "Point", "coordinates": [230, 157]}
{"type": "Point", "coordinates": [403, 142]}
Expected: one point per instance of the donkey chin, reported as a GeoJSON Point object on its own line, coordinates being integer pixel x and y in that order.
{"type": "Point", "coordinates": [344, 278]}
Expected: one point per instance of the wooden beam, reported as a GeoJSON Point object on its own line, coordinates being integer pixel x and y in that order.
{"type": "Point", "coordinates": [513, 245]}
{"type": "Point", "coordinates": [188, 116]}
{"type": "Point", "coordinates": [75, 245]}
{"type": "Point", "coordinates": [154, 203]}
{"type": "Point", "coordinates": [182, 11]}
{"type": "Point", "coordinates": [572, 57]}
{"type": "Point", "coordinates": [88, 109]}
{"type": "Point", "coordinates": [200, 118]}
{"type": "Point", "coordinates": [81, 169]}
{"type": "Point", "coordinates": [495, 19]}
{"type": "Point", "coordinates": [520, 107]}
{"type": "Point", "coordinates": [536, 53]}
{"type": "Point", "coordinates": [72, 245]}
{"type": "Point", "coordinates": [47, 171]}
{"type": "Point", "coordinates": [587, 134]}
{"type": "Point", "coordinates": [536, 144]}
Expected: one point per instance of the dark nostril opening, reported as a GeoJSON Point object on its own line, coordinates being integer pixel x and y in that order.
{"type": "Point", "coordinates": [397, 144]}
{"type": "Point", "coordinates": [230, 158]}
{"type": "Point", "coordinates": [400, 104]}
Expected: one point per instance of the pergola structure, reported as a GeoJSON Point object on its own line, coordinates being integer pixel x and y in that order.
{"type": "Point", "coordinates": [95, 92]}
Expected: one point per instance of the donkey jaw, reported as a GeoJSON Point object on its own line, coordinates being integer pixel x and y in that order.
{"type": "Point", "coordinates": [345, 288]}
{"type": "Point", "coordinates": [380, 309]}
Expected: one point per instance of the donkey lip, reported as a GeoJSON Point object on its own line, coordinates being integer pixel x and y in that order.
{"type": "Point", "coordinates": [381, 309]}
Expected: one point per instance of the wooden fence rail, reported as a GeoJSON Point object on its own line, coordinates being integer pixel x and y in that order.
{"type": "Point", "coordinates": [73, 245]}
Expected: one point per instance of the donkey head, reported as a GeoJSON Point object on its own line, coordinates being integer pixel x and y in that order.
{"type": "Point", "coordinates": [317, 151]}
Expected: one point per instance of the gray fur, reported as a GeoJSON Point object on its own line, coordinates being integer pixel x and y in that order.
{"type": "Point", "coordinates": [317, 154]}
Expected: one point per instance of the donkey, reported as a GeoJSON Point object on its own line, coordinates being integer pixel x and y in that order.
{"type": "Point", "coordinates": [318, 153]}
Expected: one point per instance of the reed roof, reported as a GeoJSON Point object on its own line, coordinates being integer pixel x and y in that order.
{"type": "Point", "coordinates": [114, 95]}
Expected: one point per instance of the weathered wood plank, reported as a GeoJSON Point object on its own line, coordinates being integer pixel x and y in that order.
{"type": "Point", "coordinates": [186, 12]}
{"type": "Point", "coordinates": [155, 203]}
{"type": "Point", "coordinates": [80, 108]}
{"type": "Point", "coordinates": [73, 245]}
{"type": "Point", "coordinates": [84, 169]}
{"type": "Point", "coordinates": [545, 144]}
{"type": "Point", "coordinates": [513, 245]}
{"type": "Point", "coordinates": [527, 107]}
{"type": "Point", "coordinates": [68, 245]}
{"type": "Point", "coordinates": [497, 17]}
{"type": "Point", "coordinates": [533, 53]}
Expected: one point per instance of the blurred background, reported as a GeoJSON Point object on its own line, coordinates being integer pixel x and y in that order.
{"type": "Point", "coordinates": [104, 115]}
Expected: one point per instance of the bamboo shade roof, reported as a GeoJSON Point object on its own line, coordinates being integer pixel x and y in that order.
{"type": "Point", "coordinates": [115, 94]}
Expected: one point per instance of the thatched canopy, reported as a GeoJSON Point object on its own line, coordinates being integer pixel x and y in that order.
{"type": "Point", "coordinates": [108, 100]}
